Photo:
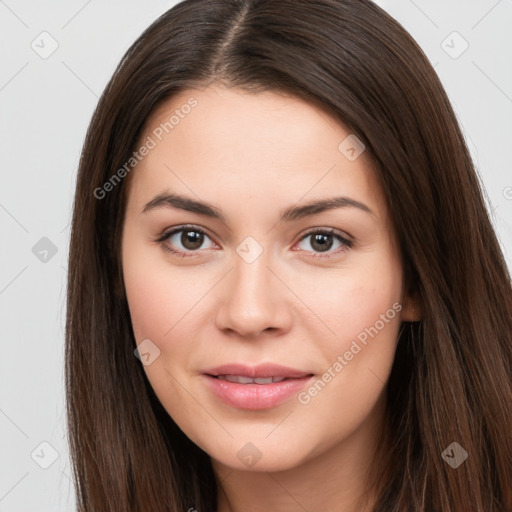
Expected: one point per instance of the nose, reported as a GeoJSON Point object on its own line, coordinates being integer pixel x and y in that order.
{"type": "Point", "coordinates": [254, 299]}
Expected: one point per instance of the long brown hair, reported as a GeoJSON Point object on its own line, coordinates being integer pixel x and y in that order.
{"type": "Point", "coordinates": [451, 380]}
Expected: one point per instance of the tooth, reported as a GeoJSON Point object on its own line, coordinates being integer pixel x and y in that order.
{"type": "Point", "coordinates": [230, 378]}
{"type": "Point", "coordinates": [263, 380]}
{"type": "Point", "coordinates": [239, 379]}
{"type": "Point", "coordinates": [245, 380]}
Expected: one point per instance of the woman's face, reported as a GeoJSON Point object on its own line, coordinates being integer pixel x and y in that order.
{"type": "Point", "coordinates": [254, 286]}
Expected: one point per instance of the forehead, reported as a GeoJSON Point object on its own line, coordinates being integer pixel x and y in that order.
{"type": "Point", "coordinates": [223, 118]}
{"type": "Point", "coordinates": [218, 141]}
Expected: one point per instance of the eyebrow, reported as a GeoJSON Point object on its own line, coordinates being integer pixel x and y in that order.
{"type": "Point", "coordinates": [289, 214]}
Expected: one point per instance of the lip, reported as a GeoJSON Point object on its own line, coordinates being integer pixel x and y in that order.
{"type": "Point", "coordinates": [256, 396]}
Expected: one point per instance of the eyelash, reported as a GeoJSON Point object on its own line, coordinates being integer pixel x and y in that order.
{"type": "Point", "coordinates": [346, 244]}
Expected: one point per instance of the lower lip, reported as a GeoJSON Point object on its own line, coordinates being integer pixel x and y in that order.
{"type": "Point", "coordinates": [255, 396]}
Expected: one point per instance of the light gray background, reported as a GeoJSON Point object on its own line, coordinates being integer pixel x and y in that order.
{"type": "Point", "coordinates": [46, 105]}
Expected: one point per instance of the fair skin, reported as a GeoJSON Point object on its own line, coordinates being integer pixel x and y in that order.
{"type": "Point", "coordinates": [251, 156]}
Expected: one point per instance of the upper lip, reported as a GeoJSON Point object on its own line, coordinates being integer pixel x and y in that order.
{"type": "Point", "coordinates": [258, 371]}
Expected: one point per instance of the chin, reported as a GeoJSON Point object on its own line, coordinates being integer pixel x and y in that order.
{"type": "Point", "coordinates": [258, 457]}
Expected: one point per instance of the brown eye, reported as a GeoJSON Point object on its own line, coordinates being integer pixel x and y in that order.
{"type": "Point", "coordinates": [183, 240]}
{"type": "Point", "coordinates": [191, 239]}
{"type": "Point", "coordinates": [321, 241]}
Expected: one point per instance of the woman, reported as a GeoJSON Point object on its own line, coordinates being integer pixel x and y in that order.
{"type": "Point", "coordinates": [250, 364]}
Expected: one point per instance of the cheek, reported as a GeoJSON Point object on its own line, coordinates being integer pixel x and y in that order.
{"type": "Point", "coordinates": [159, 299]}
{"type": "Point", "coordinates": [165, 307]}
{"type": "Point", "coordinates": [148, 300]}
{"type": "Point", "coordinates": [361, 306]}
{"type": "Point", "coordinates": [352, 299]}
{"type": "Point", "coordinates": [158, 294]}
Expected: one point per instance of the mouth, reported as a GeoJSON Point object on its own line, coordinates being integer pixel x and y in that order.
{"type": "Point", "coordinates": [255, 388]}
{"type": "Point", "coordinates": [240, 379]}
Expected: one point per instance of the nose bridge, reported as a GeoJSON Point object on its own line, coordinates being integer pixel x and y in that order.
{"type": "Point", "coordinates": [251, 272]}
{"type": "Point", "coordinates": [251, 280]}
